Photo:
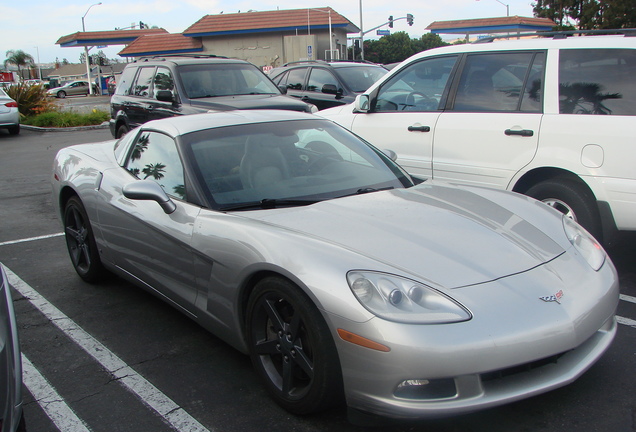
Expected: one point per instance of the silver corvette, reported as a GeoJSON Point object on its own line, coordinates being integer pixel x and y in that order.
{"type": "Point", "coordinates": [344, 278]}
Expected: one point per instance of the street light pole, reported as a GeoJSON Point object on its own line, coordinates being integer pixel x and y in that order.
{"type": "Point", "coordinates": [361, 36]}
{"type": "Point", "coordinates": [39, 67]}
{"type": "Point", "coordinates": [502, 3]}
{"type": "Point", "coordinates": [88, 67]}
{"type": "Point", "coordinates": [330, 34]}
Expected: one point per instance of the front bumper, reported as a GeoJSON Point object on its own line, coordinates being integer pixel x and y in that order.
{"type": "Point", "coordinates": [516, 346]}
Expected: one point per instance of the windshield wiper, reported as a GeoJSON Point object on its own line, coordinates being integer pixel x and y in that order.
{"type": "Point", "coordinates": [367, 190]}
{"type": "Point", "coordinates": [269, 203]}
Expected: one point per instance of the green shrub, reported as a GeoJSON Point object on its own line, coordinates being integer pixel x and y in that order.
{"type": "Point", "coordinates": [31, 99]}
{"type": "Point", "coordinates": [67, 119]}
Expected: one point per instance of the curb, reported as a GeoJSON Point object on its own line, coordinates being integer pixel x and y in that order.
{"type": "Point", "coordinates": [62, 129]}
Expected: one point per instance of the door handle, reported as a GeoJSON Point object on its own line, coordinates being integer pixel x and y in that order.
{"type": "Point", "coordinates": [419, 128]}
{"type": "Point", "coordinates": [522, 132]}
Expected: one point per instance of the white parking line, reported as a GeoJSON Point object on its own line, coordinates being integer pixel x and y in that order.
{"type": "Point", "coordinates": [51, 402]}
{"type": "Point", "coordinates": [173, 414]}
{"type": "Point", "coordinates": [31, 239]}
{"type": "Point", "coordinates": [628, 298]}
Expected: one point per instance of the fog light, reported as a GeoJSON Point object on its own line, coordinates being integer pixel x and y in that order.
{"type": "Point", "coordinates": [426, 389]}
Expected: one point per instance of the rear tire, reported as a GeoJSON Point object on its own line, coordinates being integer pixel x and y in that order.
{"type": "Point", "coordinates": [14, 130]}
{"type": "Point", "coordinates": [571, 198]}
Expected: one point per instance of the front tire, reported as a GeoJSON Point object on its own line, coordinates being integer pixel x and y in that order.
{"type": "Point", "coordinates": [121, 131]}
{"type": "Point", "coordinates": [571, 198]}
{"type": "Point", "coordinates": [61, 94]}
{"type": "Point", "coordinates": [291, 348]}
{"type": "Point", "coordinates": [80, 241]}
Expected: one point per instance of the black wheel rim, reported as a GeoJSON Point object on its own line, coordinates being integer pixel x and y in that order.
{"type": "Point", "coordinates": [283, 346]}
{"type": "Point", "coordinates": [77, 239]}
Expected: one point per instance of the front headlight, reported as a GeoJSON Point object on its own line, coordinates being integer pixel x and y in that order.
{"type": "Point", "coordinates": [583, 241]}
{"type": "Point", "coordinates": [402, 300]}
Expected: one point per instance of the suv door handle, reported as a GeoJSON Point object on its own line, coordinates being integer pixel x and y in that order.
{"type": "Point", "coordinates": [419, 128]}
{"type": "Point", "coordinates": [522, 132]}
{"type": "Point", "coordinates": [150, 107]}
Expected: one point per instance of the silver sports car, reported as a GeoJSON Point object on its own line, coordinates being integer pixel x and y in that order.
{"type": "Point", "coordinates": [343, 277]}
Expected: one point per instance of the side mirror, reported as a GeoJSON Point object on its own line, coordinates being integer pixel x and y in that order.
{"type": "Point", "coordinates": [149, 190]}
{"type": "Point", "coordinates": [165, 96]}
{"type": "Point", "coordinates": [361, 104]}
{"type": "Point", "coordinates": [331, 89]}
{"type": "Point", "coordinates": [283, 89]}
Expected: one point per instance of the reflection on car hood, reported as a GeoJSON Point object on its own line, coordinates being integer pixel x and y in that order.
{"type": "Point", "coordinates": [255, 101]}
{"type": "Point", "coordinates": [445, 234]}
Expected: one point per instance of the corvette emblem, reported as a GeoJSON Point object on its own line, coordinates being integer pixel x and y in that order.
{"type": "Point", "coordinates": [553, 298]}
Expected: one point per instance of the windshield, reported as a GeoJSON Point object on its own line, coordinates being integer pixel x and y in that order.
{"type": "Point", "coordinates": [287, 162]}
{"type": "Point", "coordinates": [360, 78]}
{"type": "Point", "coordinates": [210, 80]}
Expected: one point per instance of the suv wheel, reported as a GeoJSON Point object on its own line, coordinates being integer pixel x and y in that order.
{"type": "Point", "coordinates": [121, 131]}
{"type": "Point", "coordinates": [572, 199]}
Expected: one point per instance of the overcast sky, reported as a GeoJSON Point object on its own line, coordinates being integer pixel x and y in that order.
{"type": "Point", "coordinates": [34, 26]}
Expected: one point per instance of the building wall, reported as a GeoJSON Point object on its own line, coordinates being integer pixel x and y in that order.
{"type": "Point", "coordinates": [267, 50]}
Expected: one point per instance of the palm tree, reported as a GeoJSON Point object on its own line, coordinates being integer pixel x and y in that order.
{"type": "Point", "coordinates": [18, 58]}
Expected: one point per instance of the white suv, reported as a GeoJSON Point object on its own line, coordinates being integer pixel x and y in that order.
{"type": "Point", "coordinates": [552, 118]}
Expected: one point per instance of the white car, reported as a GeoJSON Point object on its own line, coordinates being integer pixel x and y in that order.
{"type": "Point", "coordinates": [549, 118]}
{"type": "Point", "coordinates": [9, 114]}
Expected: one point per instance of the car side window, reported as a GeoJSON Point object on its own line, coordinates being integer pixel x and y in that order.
{"type": "Point", "coordinates": [281, 79]}
{"type": "Point", "coordinates": [597, 81]}
{"type": "Point", "coordinates": [418, 87]}
{"type": "Point", "coordinates": [296, 78]}
{"type": "Point", "coordinates": [124, 83]}
{"type": "Point", "coordinates": [318, 77]}
{"type": "Point", "coordinates": [495, 81]}
{"type": "Point", "coordinates": [154, 156]}
{"type": "Point", "coordinates": [163, 80]}
{"type": "Point", "coordinates": [144, 80]}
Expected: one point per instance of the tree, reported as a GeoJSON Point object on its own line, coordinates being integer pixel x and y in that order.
{"type": "Point", "coordinates": [588, 14]}
{"type": "Point", "coordinates": [429, 41]}
{"type": "Point", "coordinates": [18, 58]}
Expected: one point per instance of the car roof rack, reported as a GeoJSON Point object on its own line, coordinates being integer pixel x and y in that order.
{"type": "Point", "coordinates": [163, 56]}
{"type": "Point", "coordinates": [326, 62]}
{"type": "Point", "coordinates": [561, 34]}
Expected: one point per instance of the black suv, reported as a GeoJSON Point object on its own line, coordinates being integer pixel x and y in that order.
{"type": "Point", "coordinates": [154, 88]}
{"type": "Point", "coordinates": [324, 84]}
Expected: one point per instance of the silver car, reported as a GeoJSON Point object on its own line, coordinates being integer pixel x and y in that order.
{"type": "Point", "coordinates": [10, 363]}
{"type": "Point", "coordinates": [73, 88]}
{"type": "Point", "coordinates": [9, 114]}
{"type": "Point", "coordinates": [343, 277]}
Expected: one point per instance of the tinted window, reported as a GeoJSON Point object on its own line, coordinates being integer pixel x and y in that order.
{"type": "Point", "coordinates": [418, 87]}
{"type": "Point", "coordinates": [496, 81]}
{"type": "Point", "coordinates": [144, 79]}
{"type": "Point", "coordinates": [163, 80]}
{"type": "Point", "coordinates": [319, 77]}
{"type": "Point", "coordinates": [154, 156]}
{"type": "Point", "coordinates": [360, 78]}
{"type": "Point", "coordinates": [210, 80]}
{"type": "Point", "coordinates": [125, 81]}
{"type": "Point", "coordinates": [597, 81]}
{"type": "Point", "coordinates": [296, 78]}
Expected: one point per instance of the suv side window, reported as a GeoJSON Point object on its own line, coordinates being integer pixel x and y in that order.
{"type": "Point", "coordinates": [163, 80]}
{"type": "Point", "coordinates": [144, 79]}
{"type": "Point", "coordinates": [125, 81]}
{"type": "Point", "coordinates": [597, 81]}
{"type": "Point", "coordinates": [418, 87]}
{"type": "Point", "coordinates": [496, 82]}
{"type": "Point", "coordinates": [319, 77]}
{"type": "Point", "coordinates": [296, 78]}
{"type": "Point", "coordinates": [154, 156]}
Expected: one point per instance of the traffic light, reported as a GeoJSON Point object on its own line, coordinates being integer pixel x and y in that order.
{"type": "Point", "coordinates": [409, 19]}
{"type": "Point", "coordinates": [391, 21]}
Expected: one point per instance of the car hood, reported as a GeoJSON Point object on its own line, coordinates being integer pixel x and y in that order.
{"type": "Point", "coordinates": [262, 101]}
{"type": "Point", "coordinates": [448, 235]}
